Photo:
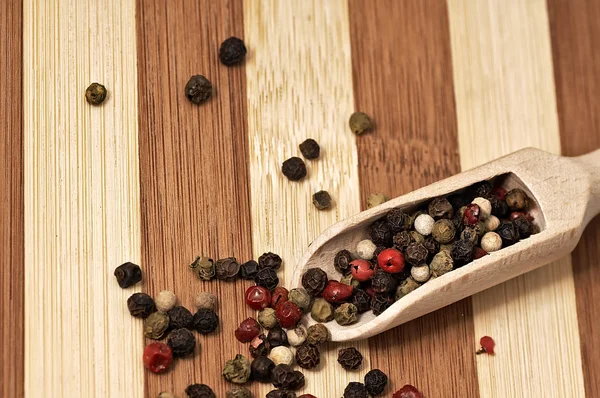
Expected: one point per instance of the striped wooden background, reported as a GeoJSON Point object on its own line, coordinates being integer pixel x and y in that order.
{"type": "Point", "coordinates": [150, 178]}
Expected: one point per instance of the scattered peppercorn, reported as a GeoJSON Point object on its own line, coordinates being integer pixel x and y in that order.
{"type": "Point", "coordinates": [199, 391]}
{"type": "Point", "coordinates": [267, 318]}
{"type": "Point", "coordinates": [269, 260]}
{"type": "Point", "coordinates": [281, 355]}
{"type": "Point", "coordinates": [279, 295]}
{"type": "Point", "coordinates": [205, 300]}
{"type": "Point", "coordinates": [238, 392]}
{"type": "Point", "coordinates": [248, 270]}
{"type": "Point", "coordinates": [380, 233]}
{"type": "Point", "coordinates": [301, 298]}
{"type": "Point", "coordinates": [157, 357]}
{"type": "Point", "coordinates": [198, 89]}
{"type": "Point", "coordinates": [204, 267]}
{"type": "Point", "coordinates": [182, 342]}
{"type": "Point", "coordinates": [462, 252]}
{"type": "Point", "coordinates": [165, 300]}
{"type": "Point", "coordinates": [288, 314]}
{"type": "Point", "coordinates": [95, 94]}
{"type": "Point", "coordinates": [308, 356]}
{"type": "Point", "coordinates": [248, 330]}
{"type": "Point", "coordinates": [259, 346]}
{"type": "Point", "coordinates": [314, 281]}
{"type": "Point", "coordinates": [360, 123]}
{"type": "Point", "coordinates": [487, 345]}
{"type": "Point", "coordinates": [346, 314]}
{"type": "Point", "coordinates": [179, 317]}
{"type": "Point", "coordinates": [375, 382]}
{"type": "Point", "coordinates": [267, 278]}
{"type": "Point", "coordinates": [156, 325]}
{"type": "Point", "coordinates": [227, 268]}
{"type": "Point", "coordinates": [294, 169]}
{"type": "Point", "coordinates": [321, 200]}
{"type": "Point", "coordinates": [350, 358]}
{"type": "Point", "coordinates": [237, 370]}
{"type": "Point", "coordinates": [232, 51]}
{"type": "Point", "coordinates": [140, 305]}
{"type": "Point", "coordinates": [362, 300]}
{"type": "Point", "coordinates": [355, 389]}
{"type": "Point", "coordinates": [375, 199]}
{"type": "Point", "coordinates": [261, 368]}
{"type": "Point", "coordinates": [286, 378]}
{"type": "Point", "coordinates": [128, 274]}
{"type": "Point", "coordinates": [281, 394]}
{"type": "Point", "coordinates": [321, 310]}
{"type": "Point", "coordinates": [277, 337]}
{"type": "Point", "coordinates": [508, 232]}
{"type": "Point", "coordinates": [317, 334]}
{"type": "Point", "coordinates": [380, 303]}
{"type": "Point", "coordinates": [258, 297]}
{"type": "Point", "coordinates": [408, 391]}
{"type": "Point", "coordinates": [297, 336]}
{"type": "Point", "coordinates": [205, 321]}
{"type": "Point", "coordinates": [341, 261]}
{"type": "Point", "coordinates": [310, 149]}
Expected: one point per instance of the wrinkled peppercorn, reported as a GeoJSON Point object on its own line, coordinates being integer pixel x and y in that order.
{"type": "Point", "coordinates": [248, 270]}
{"type": "Point", "coordinates": [509, 233]}
{"type": "Point", "coordinates": [182, 342]}
{"type": "Point", "coordinates": [408, 391]}
{"type": "Point", "coordinates": [267, 278]}
{"type": "Point", "coordinates": [314, 281]}
{"type": "Point", "coordinates": [156, 325]}
{"type": "Point", "coordinates": [346, 314]}
{"type": "Point", "coordinates": [406, 286]}
{"type": "Point", "coordinates": [317, 334]}
{"type": "Point", "coordinates": [261, 368]}
{"type": "Point", "coordinates": [285, 377]}
{"type": "Point", "coordinates": [375, 382]}
{"type": "Point", "coordinates": [441, 264]}
{"type": "Point", "coordinates": [308, 356]}
{"type": "Point", "coordinates": [294, 169]}
{"type": "Point", "coordinates": [321, 200]}
{"type": "Point", "coordinates": [95, 94]}
{"type": "Point", "coordinates": [198, 89]}
{"type": "Point", "coordinates": [199, 391]}
{"type": "Point", "coordinates": [441, 208]}
{"type": "Point", "coordinates": [281, 394]}
{"type": "Point", "coordinates": [267, 318]}
{"type": "Point", "coordinates": [288, 314]}
{"type": "Point", "coordinates": [471, 234]}
{"type": "Point", "coordinates": [238, 392]}
{"type": "Point", "coordinates": [204, 267]}
{"type": "Point", "coordinates": [462, 253]}
{"type": "Point", "coordinates": [232, 51]}
{"type": "Point", "coordinates": [277, 337]}
{"type": "Point", "coordinates": [259, 347]}
{"type": "Point", "coordinates": [321, 310]}
{"type": "Point", "coordinates": [157, 357]}
{"type": "Point", "coordinates": [416, 254]}
{"type": "Point", "coordinates": [350, 280]}
{"type": "Point", "coordinates": [128, 274]}
{"type": "Point", "coordinates": [402, 240]}
{"type": "Point", "coordinates": [383, 282]}
{"type": "Point", "coordinates": [398, 220]}
{"type": "Point", "coordinates": [432, 246]}
{"type": "Point", "coordinates": [362, 300]}
{"type": "Point", "coordinates": [247, 330]}
{"type": "Point", "coordinates": [516, 199]}
{"type": "Point", "coordinates": [179, 317]}
{"type": "Point", "coordinates": [269, 260]}
{"type": "Point", "coordinates": [205, 300]}
{"type": "Point", "coordinates": [479, 189]}
{"type": "Point", "coordinates": [355, 390]}
{"type": "Point", "coordinates": [310, 149]}
{"type": "Point", "coordinates": [380, 303]}
{"type": "Point", "coordinates": [380, 233]}
{"type": "Point", "coordinates": [301, 298]}
{"type": "Point", "coordinates": [140, 305]}
{"type": "Point", "coordinates": [360, 123]}
{"type": "Point", "coordinates": [205, 321]}
{"type": "Point", "coordinates": [227, 268]}
{"type": "Point", "coordinates": [237, 370]}
{"type": "Point", "coordinates": [524, 226]}
{"type": "Point", "coordinates": [341, 262]}
{"type": "Point", "coordinates": [499, 207]}
{"type": "Point", "coordinates": [350, 358]}
{"type": "Point", "coordinates": [443, 231]}
{"type": "Point", "coordinates": [459, 200]}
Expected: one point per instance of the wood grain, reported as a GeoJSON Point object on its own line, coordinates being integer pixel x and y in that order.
{"type": "Point", "coordinates": [506, 101]}
{"type": "Point", "coordinates": [194, 173]}
{"type": "Point", "coordinates": [11, 199]}
{"type": "Point", "coordinates": [403, 78]}
{"type": "Point", "coordinates": [300, 86]}
{"type": "Point", "coordinates": [575, 36]}
{"type": "Point", "coordinates": [82, 199]}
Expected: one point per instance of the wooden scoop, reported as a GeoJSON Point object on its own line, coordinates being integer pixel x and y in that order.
{"type": "Point", "coordinates": [566, 196]}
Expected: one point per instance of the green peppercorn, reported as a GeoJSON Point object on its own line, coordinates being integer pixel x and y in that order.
{"type": "Point", "coordinates": [447, 248]}
{"type": "Point", "coordinates": [204, 267]}
{"type": "Point", "coordinates": [238, 392]}
{"type": "Point", "coordinates": [443, 231]}
{"type": "Point", "coordinates": [267, 318]}
{"type": "Point", "coordinates": [360, 123]}
{"type": "Point", "coordinates": [321, 200]}
{"type": "Point", "coordinates": [406, 286]}
{"type": "Point", "coordinates": [156, 325]}
{"type": "Point", "coordinates": [349, 280]}
{"type": "Point", "coordinates": [321, 311]}
{"type": "Point", "coordinates": [301, 298]}
{"type": "Point", "coordinates": [237, 370]}
{"type": "Point", "coordinates": [95, 94]}
{"type": "Point", "coordinates": [375, 199]}
{"type": "Point", "coordinates": [516, 199]}
{"type": "Point", "coordinates": [317, 334]}
{"type": "Point", "coordinates": [441, 264]}
{"type": "Point", "coordinates": [346, 314]}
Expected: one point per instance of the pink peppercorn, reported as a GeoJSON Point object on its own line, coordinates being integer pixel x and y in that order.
{"type": "Point", "coordinates": [391, 261]}
{"type": "Point", "coordinates": [471, 216]}
{"type": "Point", "coordinates": [258, 297]}
{"type": "Point", "coordinates": [498, 192]}
{"type": "Point", "coordinates": [408, 391]}
{"type": "Point", "coordinates": [478, 252]}
{"type": "Point", "coordinates": [336, 292]}
{"type": "Point", "coordinates": [157, 357]}
{"type": "Point", "coordinates": [278, 296]}
{"type": "Point", "coordinates": [288, 314]}
{"type": "Point", "coordinates": [247, 330]}
{"type": "Point", "coordinates": [487, 345]}
{"type": "Point", "coordinates": [362, 270]}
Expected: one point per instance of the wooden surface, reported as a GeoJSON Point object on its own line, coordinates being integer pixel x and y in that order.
{"type": "Point", "coordinates": [449, 83]}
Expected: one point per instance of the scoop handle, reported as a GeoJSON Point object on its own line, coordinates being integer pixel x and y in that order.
{"type": "Point", "coordinates": [591, 165]}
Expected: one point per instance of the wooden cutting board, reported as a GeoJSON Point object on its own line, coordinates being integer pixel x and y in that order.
{"type": "Point", "coordinates": [150, 178]}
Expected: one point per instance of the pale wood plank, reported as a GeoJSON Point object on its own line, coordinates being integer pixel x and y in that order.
{"type": "Point", "coordinates": [299, 85]}
{"type": "Point", "coordinates": [82, 210]}
{"type": "Point", "coordinates": [506, 101]}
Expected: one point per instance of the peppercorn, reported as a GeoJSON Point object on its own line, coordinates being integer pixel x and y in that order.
{"type": "Point", "coordinates": [267, 318]}
{"type": "Point", "coordinates": [459, 200]}
{"type": "Point", "coordinates": [286, 378]}
{"type": "Point", "coordinates": [166, 394]}
{"type": "Point", "coordinates": [317, 334]}
{"type": "Point", "coordinates": [509, 233]}
{"type": "Point", "coordinates": [95, 94]}
{"type": "Point", "coordinates": [205, 321]}
{"type": "Point", "coordinates": [432, 246]}
{"type": "Point", "coordinates": [499, 207]}
{"type": "Point", "coordinates": [440, 208]}
{"type": "Point", "coordinates": [314, 281]}
{"type": "Point", "coordinates": [470, 234]}
{"type": "Point", "coordinates": [341, 261]}
{"type": "Point", "coordinates": [487, 345]}
{"type": "Point", "coordinates": [417, 237]}
{"type": "Point", "coordinates": [362, 270]}
{"type": "Point", "coordinates": [383, 282]}
{"type": "Point", "coordinates": [375, 199]}
{"type": "Point", "coordinates": [350, 358]}
{"type": "Point", "coordinates": [478, 252]}
{"type": "Point", "coordinates": [491, 223]}
{"type": "Point", "coordinates": [380, 303]}
{"type": "Point", "coordinates": [294, 169]}
{"type": "Point", "coordinates": [281, 394]}
{"type": "Point", "coordinates": [261, 368]}
{"type": "Point", "coordinates": [140, 305]}
{"type": "Point", "coordinates": [232, 51]}
{"type": "Point", "coordinates": [524, 226]}
{"type": "Point", "coordinates": [375, 382]}
{"type": "Point", "coordinates": [279, 295]}
{"type": "Point", "coordinates": [310, 149]}
{"type": "Point", "coordinates": [269, 260]}
{"type": "Point", "coordinates": [472, 214]}
{"type": "Point", "coordinates": [416, 253]}
{"type": "Point", "coordinates": [199, 391]}
{"type": "Point", "coordinates": [297, 336]}
{"type": "Point", "coordinates": [156, 325]}
{"type": "Point", "coordinates": [182, 342]}
{"type": "Point", "coordinates": [443, 231]}
{"type": "Point", "coordinates": [226, 268]}
{"type": "Point", "coordinates": [321, 200]}
{"type": "Point", "coordinates": [247, 330]}
{"type": "Point", "coordinates": [258, 297]}
{"type": "Point", "coordinates": [259, 346]}
{"type": "Point", "coordinates": [408, 391]}
{"type": "Point", "coordinates": [424, 224]}
{"type": "Point", "coordinates": [165, 300]}
{"type": "Point", "coordinates": [362, 300]}
{"type": "Point", "coordinates": [205, 300]}
{"type": "Point", "coordinates": [420, 273]}
{"type": "Point", "coordinates": [516, 199]}
{"type": "Point", "coordinates": [157, 357]}
{"type": "Point", "coordinates": [308, 356]}
{"type": "Point", "coordinates": [462, 253]}
{"type": "Point", "coordinates": [301, 298]}
{"type": "Point", "coordinates": [198, 89]}
{"type": "Point", "coordinates": [336, 292]}
{"type": "Point", "coordinates": [277, 337]}
{"type": "Point", "coordinates": [390, 261]}
{"type": "Point", "coordinates": [380, 233]}
{"type": "Point", "coordinates": [485, 207]}
{"type": "Point", "coordinates": [128, 274]}
{"type": "Point", "coordinates": [204, 267]}
{"type": "Point", "coordinates": [288, 314]}
{"type": "Point", "coordinates": [491, 242]}
{"type": "Point", "coordinates": [366, 249]}
{"type": "Point", "coordinates": [360, 123]}
{"type": "Point", "coordinates": [267, 277]}
{"type": "Point", "coordinates": [406, 286]}
{"type": "Point", "coordinates": [248, 270]}
{"type": "Point", "coordinates": [238, 392]}
{"type": "Point", "coordinates": [346, 314]}
{"type": "Point", "coordinates": [441, 264]}
{"type": "Point", "coordinates": [350, 280]}
{"type": "Point", "coordinates": [321, 310]}
{"type": "Point", "coordinates": [398, 220]}
{"type": "Point", "coordinates": [179, 317]}
{"type": "Point", "coordinates": [281, 355]}
{"type": "Point", "coordinates": [355, 389]}
{"type": "Point", "coordinates": [237, 370]}
{"type": "Point", "coordinates": [402, 240]}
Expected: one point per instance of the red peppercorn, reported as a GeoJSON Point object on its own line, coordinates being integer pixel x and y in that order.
{"type": "Point", "coordinates": [157, 357]}
{"type": "Point", "coordinates": [498, 192]}
{"type": "Point", "coordinates": [408, 391]}
{"type": "Point", "coordinates": [362, 270]}
{"type": "Point", "coordinates": [471, 216]}
{"type": "Point", "coordinates": [258, 297]}
{"type": "Point", "coordinates": [478, 252]}
{"type": "Point", "coordinates": [247, 330]}
{"type": "Point", "coordinates": [278, 296]}
{"type": "Point", "coordinates": [288, 314]}
{"type": "Point", "coordinates": [487, 345]}
{"type": "Point", "coordinates": [391, 261]}
{"type": "Point", "coordinates": [336, 292]}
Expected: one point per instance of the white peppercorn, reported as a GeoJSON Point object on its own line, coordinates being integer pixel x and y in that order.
{"type": "Point", "coordinates": [491, 242]}
{"type": "Point", "coordinates": [424, 224]}
{"type": "Point", "coordinates": [165, 300]}
{"type": "Point", "coordinates": [365, 249]}
{"type": "Point", "coordinates": [485, 207]}
{"type": "Point", "coordinates": [491, 223]}
{"type": "Point", "coordinates": [281, 355]}
{"type": "Point", "coordinates": [420, 273]}
{"type": "Point", "coordinates": [267, 318]}
{"type": "Point", "coordinates": [375, 199]}
{"type": "Point", "coordinates": [205, 300]}
{"type": "Point", "coordinates": [297, 336]}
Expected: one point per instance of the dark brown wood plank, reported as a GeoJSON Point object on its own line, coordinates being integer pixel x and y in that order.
{"type": "Point", "coordinates": [403, 78]}
{"type": "Point", "coordinates": [575, 32]}
{"type": "Point", "coordinates": [12, 252]}
{"type": "Point", "coordinates": [194, 177]}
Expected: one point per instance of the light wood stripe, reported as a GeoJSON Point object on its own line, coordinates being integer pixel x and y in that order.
{"type": "Point", "coordinates": [82, 210]}
{"type": "Point", "coordinates": [299, 86]}
{"type": "Point", "coordinates": [505, 101]}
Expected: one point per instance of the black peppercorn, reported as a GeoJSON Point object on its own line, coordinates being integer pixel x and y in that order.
{"type": "Point", "coordinates": [308, 356]}
{"type": "Point", "coordinates": [205, 321]}
{"type": "Point", "coordinates": [361, 299]}
{"type": "Point", "coordinates": [227, 268]}
{"type": "Point", "coordinates": [402, 240]}
{"type": "Point", "coordinates": [269, 260]}
{"type": "Point", "coordinates": [321, 200]}
{"type": "Point", "coordinates": [281, 394]}
{"type": "Point", "coordinates": [509, 233]}
{"type": "Point", "coordinates": [249, 269]}
{"type": "Point", "coordinates": [140, 305]}
{"type": "Point", "coordinates": [310, 149]}
{"type": "Point", "coordinates": [462, 252]}
{"type": "Point", "coordinates": [416, 254]}
{"type": "Point", "coordinates": [182, 342]}
{"type": "Point", "coordinates": [471, 234]}
{"type": "Point", "coordinates": [499, 207]}
{"type": "Point", "coordinates": [232, 51]}
{"type": "Point", "coordinates": [314, 281]}
{"type": "Point", "coordinates": [260, 347]}
{"type": "Point", "coordinates": [261, 368]}
{"type": "Point", "coordinates": [377, 252]}
{"type": "Point", "coordinates": [179, 317]}
{"type": "Point", "coordinates": [383, 282]}
{"type": "Point", "coordinates": [380, 303]}
{"type": "Point", "coordinates": [459, 200]}
{"type": "Point", "coordinates": [277, 337]}
{"type": "Point", "coordinates": [285, 377]}
{"type": "Point", "coordinates": [198, 89]}
{"type": "Point", "coordinates": [350, 358]}
{"type": "Point", "coordinates": [380, 233]}
{"type": "Point", "coordinates": [355, 390]}
{"type": "Point", "coordinates": [128, 274]}
{"type": "Point", "coordinates": [267, 278]}
{"type": "Point", "coordinates": [524, 226]}
{"type": "Point", "coordinates": [375, 382]}
{"type": "Point", "coordinates": [441, 208]}
{"type": "Point", "coordinates": [294, 169]}
{"type": "Point", "coordinates": [199, 391]}
{"type": "Point", "coordinates": [341, 262]}
{"type": "Point", "coordinates": [480, 189]}
{"type": "Point", "coordinates": [432, 246]}
{"type": "Point", "coordinates": [398, 220]}
{"type": "Point", "coordinates": [95, 94]}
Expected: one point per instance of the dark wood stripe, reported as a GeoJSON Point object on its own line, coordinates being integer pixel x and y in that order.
{"type": "Point", "coordinates": [194, 176]}
{"type": "Point", "coordinates": [403, 78]}
{"type": "Point", "coordinates": [12, 252]}
{"type": "Point", "coordinates": [575, 34]}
